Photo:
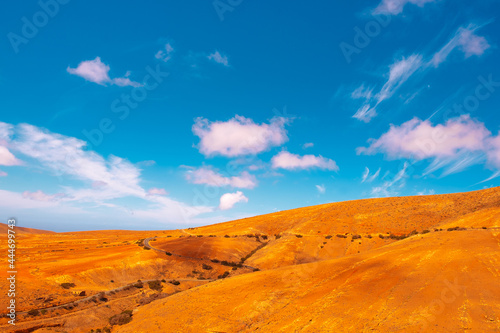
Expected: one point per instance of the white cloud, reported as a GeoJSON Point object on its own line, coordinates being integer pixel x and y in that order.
{"type": "Point", "coordinates": [103, 179]}
{"type": "Point", "coordinates": [98, 72]}
{"type": "Point", "coordinates": [3, 173]}
{"type": "Point", "coordinates": [157, 191]}
{"type": "Point", "coordinates": [321, 189]}
{"type": "Point", "coordinates": [466, 41]}
{"type": "Point", "coordinates": [288, 161]}
{"type": "Point", "coordinates": [395, 7]}
{"type": "Point", "coordinates": [228, 200]}
{"type": "Point", "coordinates": [219, 58]}
{"type": "Point", "coordinates": [420, 139]}
{"type": "Point", "coordinates": [205, 175]}
{"type": "Point", "coordinates": [166, 54]}
{"type": "Point", "coordinates": [7, 158]}
{"type": "Point", "coordinates": [239, 136]}
{"type": "Point", "coordinates": [308, 145]}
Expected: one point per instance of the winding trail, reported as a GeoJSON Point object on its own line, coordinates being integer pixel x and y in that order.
{"type": "Point", "coordinates": [149, 246]}
{"type": "Point", "coordinates": [108, 292]}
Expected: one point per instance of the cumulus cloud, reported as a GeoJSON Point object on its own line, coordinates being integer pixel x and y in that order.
{"type": "Point", "coordinates": [208, 176]}
{"type": "Point", "coordinates": [420, 139]}
{"type": "Point", "coordinates": [454, 145]}
{"type": "Point", "coordinates": [466, 40]}
{"type": "Point", "coordinates": [98, 72]}
{"type": "Point", "coordinates": [239, 136]}
{"type": "Point", "coordinates": [219, 58]}
{"type": "Point", "coordinates": [166, 53]}
{"type": "Point", "coordinates": [228, 200]}
{"type": "Point", "coordinates": [321, 189]}
{"type": "Point", "coordinates": [288, 161]}
{"type": "Point", "coordinates": [395, 7]}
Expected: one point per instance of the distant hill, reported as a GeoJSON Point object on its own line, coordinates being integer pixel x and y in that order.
{"type": "Point", "coordinates": [22, 230]}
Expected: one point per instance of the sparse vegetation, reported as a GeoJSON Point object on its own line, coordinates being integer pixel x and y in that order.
{"type": "Point", "coordinates": [226, 236]}
{"type": "Point", "coordinates": [68, 285]}
{"type": "Point", "coordinates": [121, 319]}
{"type": "Point", "coordinates": [341, 236]}
{"type": "Point", "coordinates": [34, 312]}
{"type": "Point", "coordinates": [175, 282]}
{"type": "Point", "coordinates": [425, 231]}
{"type": "Point", "coordinates": [356, 237]}
{"type": "Point", "coordinates": [155, 285]}
{"type": "Point", "coordinates": [381, 236]}
{"type": "Point", "coordinates": [298, 236]}
{"type": "Point", "coordinates": [168, 253]}
{"type": "Point", "coordinates": [277, 236]}
{"type": "Point", "coordinates": [328, 237]}
{"type": "Point", "coordinates": [223, 276]}
{"type": "Point", "coordinates": [206, 267]}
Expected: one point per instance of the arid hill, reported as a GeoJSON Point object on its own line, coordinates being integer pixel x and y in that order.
{"type": "Point", "coordinates": [426, 263]}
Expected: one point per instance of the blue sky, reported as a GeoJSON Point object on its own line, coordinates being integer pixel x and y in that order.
{"type": "Point", "coordinates": [169, 114]}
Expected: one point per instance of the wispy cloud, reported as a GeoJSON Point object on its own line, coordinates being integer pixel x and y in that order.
{"type": "Point", "coordinates": [399, 72]}
{"type": "Point", "coordinates": [366, 175]}
{"type": "Point", "coordinates": [308, 145]}
{"type": "Point", "coordinates": [288, 161]}
{"type": "Point", "coordinates": [402, 69]}
{"type": "Point", "coordinates": [98, 72]}
{"type": "Point", "coordinates": [321, 189]}
{"type": "Point", "coordinates": [392, 187]}
{"type": "Point", "coordinates": [395, 7]}
{"type": "Point", "coordinates": [239, 136]}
